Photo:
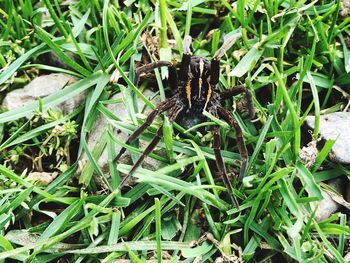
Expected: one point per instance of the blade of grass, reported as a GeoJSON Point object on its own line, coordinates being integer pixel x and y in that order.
{"type": "Point", "coordinates": [158, 229]}
{"type": "Point", "coordinates": [309, 182]}
{"type": "Point", "coordinates": [290, 106]}
{"type": "Point", "coordinates": [188, 18]}
{"type": "Point", "coordinates": [10, 70]}
{"type": "Point", "coordinates": [56, 19]}
{"type": "Point", "coordinates": [61, 221]}
{"type": "Point", "coordinates": [42, 34]}
{"type": "Point", "coordinates": [322, 155]}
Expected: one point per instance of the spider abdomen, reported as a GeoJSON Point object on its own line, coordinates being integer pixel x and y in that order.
{"type": "Point", "coordinates": [191, 117]}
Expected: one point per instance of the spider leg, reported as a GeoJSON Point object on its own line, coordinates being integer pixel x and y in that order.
{"type": "Point", "coordinates": [215, 62]}
{"type": "Point", "coordinates": [165, 105]}
{"type": "Point", "coordinates": [228, 117]}
{"type": "Point", "coordinates": [173, 78]}
{"type": "Point", "coordinates": [145, 153]}
{"type": "Point", "coordinates": [226, 46]}
{"type": "Point", "coordinates": [229, 93]}
{"type": "Point", "coordinates": [158, 64]}
{"type": "Point", "coordinates": [186, 59]}
{"type": "Point", "coordinates": [148, 67]}
{"type": "Point", "coordinates": [215, 71]}
{"type": "Point", "coordinates": [221, 165]}
{"type": "Point", "coordinates": [176, 109]}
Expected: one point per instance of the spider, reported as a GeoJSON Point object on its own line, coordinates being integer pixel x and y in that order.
{"type": "Point", "coordinates": [195, 89]}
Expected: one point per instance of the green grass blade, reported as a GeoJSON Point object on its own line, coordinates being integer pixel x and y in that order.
{"type": "Point", "coordinates": [158, 229]}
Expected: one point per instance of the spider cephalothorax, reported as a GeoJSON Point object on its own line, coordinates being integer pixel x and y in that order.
{"type": "Point", "coordinates": [194, 86]}
{"type": "Point", "coordinates": [196, 92]}
{"type": "Point", "coordinates": [197, 87]}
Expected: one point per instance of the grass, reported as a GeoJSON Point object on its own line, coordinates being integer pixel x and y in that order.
{"type": "Point", "coordinates": [292, 55]}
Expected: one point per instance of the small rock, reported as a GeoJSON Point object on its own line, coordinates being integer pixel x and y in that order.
{"type": "Point", "coordinates": [328, 206]}
{"type": "Point", "coordinates": [42, 177]}
{"type": "Point", "coordinates": [40, 87]}
{"type": "Point", "coordinates": [50, 58]}
{"type": "Point", "coordinates": [335, 126]}
{"type": "Point", "coordinates": [344, 9]}
{"type": "Point", "coordinates": [347, 192]}
{"type": "Point", "coordinates": [101, 123]}
{"type": "Point", "coordinates": [347, 256]}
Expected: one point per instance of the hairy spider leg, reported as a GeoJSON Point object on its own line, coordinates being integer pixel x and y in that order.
{"type": "Point", "coordinates": [165, 105]}
{"type": "Point", "coordinates": [215, 62]}
{"type": "Point", "coordinates": [229, 93]}
{"type": "Point", "coordinates": [185, 75]}
{"type": "Point", "coordinates": [230, 119]}
{"type": "Point", "coordinates": [146, 152]}
{"type": "Point", "coordinates": [226, 45]}
{"type": "Point", "coordinates": [186, 59]}
{"type": "Point", "coordinates": [173, 82]}
{"type": "Point", "coordinates": [175, 110]}
{"type": "Point", "coordinates": [221, 165]}
{"type": "Point", "coordinates": [215, 71]}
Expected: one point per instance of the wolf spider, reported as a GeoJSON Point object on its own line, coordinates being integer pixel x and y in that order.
{"type": "Point", "coordinates": [194, 85]}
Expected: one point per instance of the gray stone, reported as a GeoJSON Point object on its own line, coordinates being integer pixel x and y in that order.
{"type": "Point", "coordinates": [328, 205]}
{"type": "Point", "coordinates": [335, 126]}
{"type": "Point", "coordinates": [347, 257]}
{"type": "Point", "coordinates": [344, 8]}
{"type": "Point", "coordinates": [43, 177]}
{"type": "Point", "coordinates": [347, 192]}
{"type": "Point", "coordinates": [41, 87]}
